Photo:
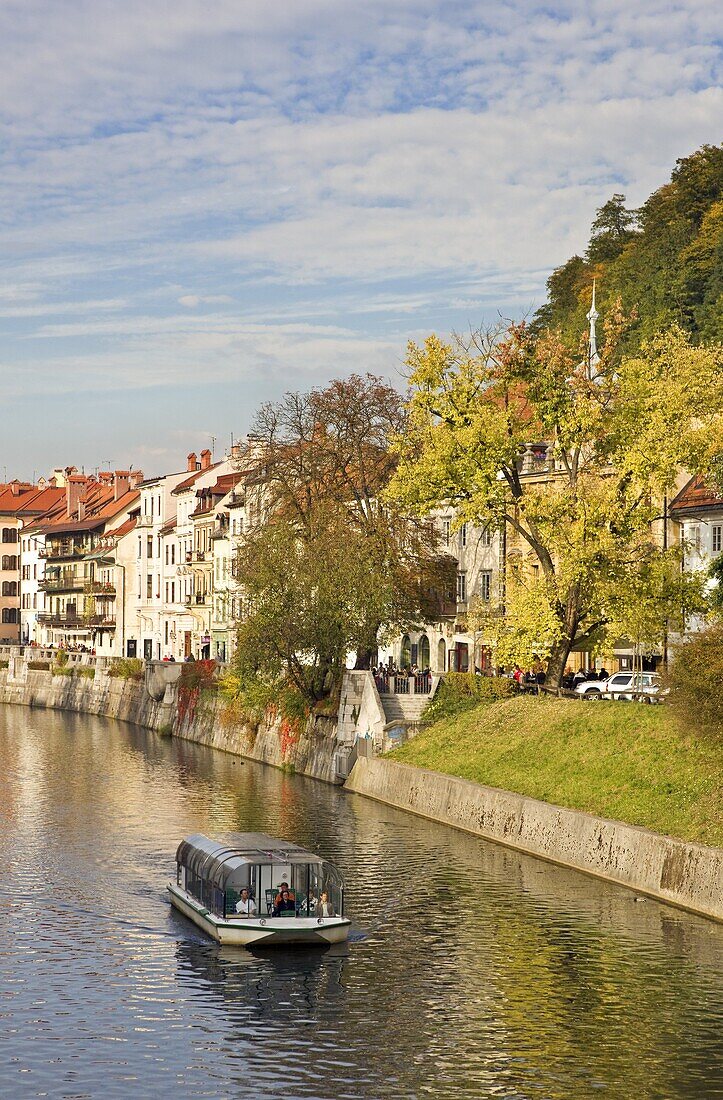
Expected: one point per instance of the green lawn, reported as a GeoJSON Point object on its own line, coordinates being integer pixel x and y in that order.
{"type": "Point", "coordinates": [617, 760]}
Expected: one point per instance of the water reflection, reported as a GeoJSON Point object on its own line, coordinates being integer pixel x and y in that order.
{"type": "Point", "coordinates": [473, 970]}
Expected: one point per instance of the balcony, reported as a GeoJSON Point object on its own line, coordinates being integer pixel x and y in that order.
{"type": "Point", "coordinates": [65, 550]}
{"type": "Point", "coordinates": [196, 557]}
{"type": "Point", "coordinates": [198, 599]}
{"type": "Point", "coordinates": [77, 621]}
{"type": "Point", "coordinates": [67, 582]}
{"type": "Point", "coordinates": [99, 588]}
{"type": "Point", "coordinates": [145, 521]}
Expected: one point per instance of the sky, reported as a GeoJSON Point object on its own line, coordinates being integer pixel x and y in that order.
{"type": "Point", "coordinates": [207, 203]}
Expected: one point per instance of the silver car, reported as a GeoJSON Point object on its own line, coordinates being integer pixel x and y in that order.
{"type": "Point", "coordinates": [626, 686]}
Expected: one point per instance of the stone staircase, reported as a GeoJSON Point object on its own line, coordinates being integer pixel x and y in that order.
{"type": "Point", "coordinates": [403, 708]}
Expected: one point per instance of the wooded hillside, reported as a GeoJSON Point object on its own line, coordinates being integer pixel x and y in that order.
{"type": "Point", "coordinates": [664, 260]}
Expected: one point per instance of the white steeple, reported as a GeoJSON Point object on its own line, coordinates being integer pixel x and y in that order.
{"type": "Point", "coordinates": [593, 359]}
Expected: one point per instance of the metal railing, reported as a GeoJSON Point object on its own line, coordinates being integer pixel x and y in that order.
{"type": "Point", "coordinates": [403, 684]}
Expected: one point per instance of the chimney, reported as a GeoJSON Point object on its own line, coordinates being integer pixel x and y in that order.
{"type": "Point", "coordinates": [205, 459]}
{"type": "Point", "coordinates": [121, 483]}
{"type": "Point", "coordinates": [74, 486]}
{"type": "Point", "coordinates": [15, 488]}
{"type": "Point", "coordinates": [191, 462]}
{"type": "Point", "coordinates": [135, 477]}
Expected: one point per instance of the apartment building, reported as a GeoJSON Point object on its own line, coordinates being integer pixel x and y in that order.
{"type": "Point", "coordinates": [80, 582]}
{"type": "Point", "coordinates": [20, 503]}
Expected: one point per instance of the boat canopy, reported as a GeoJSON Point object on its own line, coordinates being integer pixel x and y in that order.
{"type": "Point", "coordinates": [225, 864]}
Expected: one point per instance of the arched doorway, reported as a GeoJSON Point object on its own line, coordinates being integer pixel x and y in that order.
{"type": "Point", "coordinates": [423, 660]}
{"type": "Point", "coordinates": [405, 658]}
{"type": "Point", "coordinates": [441, 656]}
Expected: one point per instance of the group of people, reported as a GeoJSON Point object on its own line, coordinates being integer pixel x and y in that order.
{"type": "Point", "coordinates": [529, 680]}
{"type": "Point", "coordinates": [285, 902]}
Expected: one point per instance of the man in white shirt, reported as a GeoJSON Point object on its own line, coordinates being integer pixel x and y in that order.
{"type": "Point", "coordinates": [246, 906]}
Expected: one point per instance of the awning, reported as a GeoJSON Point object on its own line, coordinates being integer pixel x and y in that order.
{"type": "Point", "coordinates": [227, 864]}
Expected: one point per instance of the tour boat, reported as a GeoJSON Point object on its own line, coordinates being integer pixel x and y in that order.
{"type": "Point", "coordinates": [278, 886]}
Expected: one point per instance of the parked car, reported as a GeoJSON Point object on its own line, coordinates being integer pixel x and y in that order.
{"type": "Point", "coordinates": [625, 686]}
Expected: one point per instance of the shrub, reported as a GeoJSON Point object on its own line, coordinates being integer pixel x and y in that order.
{"type": "Point", "coordinates": [86, 672]}
{"type": "Point", "coordinates": [40, 666]}
{"type": "Point", "coordinates": [61, 670]}
{"type": "Point", "coordinates": [696, 682]}
{"type": "Point", "coordinates": [126, 668]}
{"type": "Point", "coordinates": [460, 691]}
{"type": "Point", "coordinates": [61, 658]}
{"type": "Point", "coordinates": [4, 662]}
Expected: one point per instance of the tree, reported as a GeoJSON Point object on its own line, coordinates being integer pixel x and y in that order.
{"type": "Point", "coordinates": [613, 227]}
{"type": "Point", "coordinates": [330, 566]}
{"type": "Point", "coordinates": [696, 682]}
{"type": "Point", "coordinates": [613, 448]}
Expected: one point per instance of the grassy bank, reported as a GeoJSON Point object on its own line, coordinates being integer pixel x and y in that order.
{"type": "Point", "coordinates": [617, 760]}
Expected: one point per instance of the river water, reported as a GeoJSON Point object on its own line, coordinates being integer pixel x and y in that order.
{"type": "Point", "coordinates": [472, 971]}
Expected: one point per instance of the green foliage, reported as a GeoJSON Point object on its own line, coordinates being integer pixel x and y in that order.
{"type": "Point", "coordinates": [582, 564]}
{"type": "Point", "coordinates": [665, 261]}
{"type": "Point", "coordinates": [4, 663]}
{"type": "Point", "coordinates": [460, 691]}
{"type": "Point", "coordinates": [39, 666]}
{"type": "Point", "coordinates": [85, 672]}
{"type": "Point", "coordinates": [619, 760]}
{"type": "Point", "coordinates": [61, 670]}
{"type": "Point", "coordinates": [61, 658]}
{"type": "Point", "coordinates": [126, 668]}
{"type": "Point", "coordinates": [696, 683]}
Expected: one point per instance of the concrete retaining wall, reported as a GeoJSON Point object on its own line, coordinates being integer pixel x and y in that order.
{"type": "Point", "coordinates": [687, 875]}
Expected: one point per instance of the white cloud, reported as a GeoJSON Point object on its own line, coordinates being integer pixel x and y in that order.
{"type": "Point", "coordinates": [285, 188]}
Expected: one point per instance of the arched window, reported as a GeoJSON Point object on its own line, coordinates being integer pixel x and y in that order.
{"type": "Point", "coordinates": [10, 615]}
{"type": "Point", "coordinates": [10, 534]}
{"type": "Point", "coordinates": [10, 588]}
{"type": "Point", "coordinates": [6, 561]}
{"type": "Point", "coordinates": [405, 659]}
{"type": "Point", "coordinates": [441, 656]}
{"type": "Point", "coordinates": [423, 661]}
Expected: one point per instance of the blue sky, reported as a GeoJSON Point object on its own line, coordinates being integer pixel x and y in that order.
{"type": "Point", "coordinates": [204, 203]}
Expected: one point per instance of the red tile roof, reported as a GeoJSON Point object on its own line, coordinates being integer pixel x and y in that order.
{"type": "Point", "coordinates": [190, 481]}
{"type": "Point", "coordinates": [695, 497]}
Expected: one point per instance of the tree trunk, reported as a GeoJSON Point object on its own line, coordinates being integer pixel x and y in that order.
{"type": "Point", "coordinates": [556, 663]}
{"type": "Point", "coordinates": [365, 658]}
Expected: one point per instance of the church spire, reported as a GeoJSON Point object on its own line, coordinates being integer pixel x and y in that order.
{"type": "Point", "coordinates": [593, 359]}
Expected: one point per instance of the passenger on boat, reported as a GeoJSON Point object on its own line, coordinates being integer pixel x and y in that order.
{"type": "Point", "coordinates": [284, 904]}
{"type": "Point", "coordinates": [325, 908]}
{"type": "Point", "coordinates": [284, 886]}
{"type": "Point", "coordinates": [246, 906]}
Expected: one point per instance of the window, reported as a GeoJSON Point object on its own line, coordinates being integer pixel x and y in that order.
{"type": "Point", "coordinates": [486, 536]}
{"type": "Point", "coordinates": [149, 586]}
{"type": "Point", "coordinates": [485, 585]}
{"type": "Point", "coordinates": [140, 546]}
{"type": "Point", "coordinates": [149, 545]}
{"type": "Point", "coordinates": [173, 591]}
{"type": "Point", "coordinates": [717, 539]}
{"type": "Point", "coordinates": [167, 553]}
{"type": "Point", "coordinates": [463, 535]}
{"type": "Point", "coordinates": [10, 615]}
{"type": "Point", "coordinates": [10, 534]}
{"type": "Point", "coordinates": [446, 530]}
{"type": "Point", "coordinates": [173, 553]}
{"type": "Point", "coordinates": [461, 587]}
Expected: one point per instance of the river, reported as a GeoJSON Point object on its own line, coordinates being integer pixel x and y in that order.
{"type": "Point", "coordinates": [472, 972]}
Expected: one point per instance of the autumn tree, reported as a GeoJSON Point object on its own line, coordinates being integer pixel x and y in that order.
{"type": "Point", "coordinates": [613, 444]}
{"type": "Point", "coordinates": [330, 565]}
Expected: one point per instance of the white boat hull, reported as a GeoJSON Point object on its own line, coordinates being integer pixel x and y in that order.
{"type": "Point", "coordinates": [258, 931]}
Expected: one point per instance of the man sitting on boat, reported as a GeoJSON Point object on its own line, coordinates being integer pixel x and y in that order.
{"type": "Point", "coordinates": [325, 908]}
{"type": "Point", "coordinates": [246, 906]}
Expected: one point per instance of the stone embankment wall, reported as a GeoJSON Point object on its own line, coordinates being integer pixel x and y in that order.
{"type": "Point", "coordinates": [153, 704]}
{"type": "Point", "coordinates": [687, 875]}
